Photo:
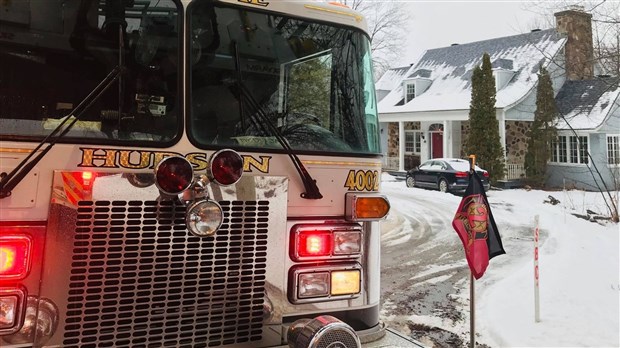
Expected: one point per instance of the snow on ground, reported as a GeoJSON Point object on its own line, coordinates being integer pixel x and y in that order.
{"type": "Point", "coordinates": [578, 259]}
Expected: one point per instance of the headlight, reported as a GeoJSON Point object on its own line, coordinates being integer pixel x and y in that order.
{"type": "Point", "coordinates": [12, 307]}
{"type": "Point", "coordinates": [325, 283]}
{"type": "Point", "coordinates": [204, 218]}
{"type": "Point", "coordinates": [313, 284]}
{"type": "Point", "coordinates": [326, 242]}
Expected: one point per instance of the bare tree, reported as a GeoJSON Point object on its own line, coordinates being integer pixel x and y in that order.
{"type": "Point", "coordinates": [386, 21]}
{"type": "Point", "coordinates": [605, 27]}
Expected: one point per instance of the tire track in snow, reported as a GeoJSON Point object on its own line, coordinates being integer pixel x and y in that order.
{"type": "Point", "coordinates": [425, 277]}
{"type": "Point", "coordinates": [421, 257]}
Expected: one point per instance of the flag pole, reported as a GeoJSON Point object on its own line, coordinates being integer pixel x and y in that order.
{"type": "Point", "coordinates": [472, 288]}
{"type": "Point", "coordinates": [472, 310]}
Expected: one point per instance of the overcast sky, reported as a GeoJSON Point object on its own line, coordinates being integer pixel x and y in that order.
{"type": "Point", "coordinates": [441, 23]}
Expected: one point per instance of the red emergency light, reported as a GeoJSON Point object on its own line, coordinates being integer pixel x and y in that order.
{"type": "Point", "coordinates": [174, 175]}
{"type": "Point", "coordinates": [314, 243]}
{"type": "Point", "coordinates": [15, 254]}
{"type": "Point", "coordinates": [225, 167]}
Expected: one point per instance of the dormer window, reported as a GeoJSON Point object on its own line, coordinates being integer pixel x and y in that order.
{"type": "Point", "coordinates": [413, 87]}
{"type": "Point", "coordinates": [410, 92]}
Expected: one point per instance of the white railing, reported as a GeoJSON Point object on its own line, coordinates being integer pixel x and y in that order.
{"type": "Point", "coordinates": [514, 171]}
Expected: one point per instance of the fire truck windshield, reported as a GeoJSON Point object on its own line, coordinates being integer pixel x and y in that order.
{"type": "Point", "coordinates": [312, 80]}
{"type": "Point", "coordinates": [54, 55]}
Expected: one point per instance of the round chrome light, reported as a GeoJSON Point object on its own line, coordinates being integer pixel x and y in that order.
{"type": "Point", "coordinates": [204, 218]}
{"type": "Point", "coordinates": [174, 175]}
{"type": "Point", "coordinates": [225, 167]}
{"type": "Point", "coordinates": [322, 331]}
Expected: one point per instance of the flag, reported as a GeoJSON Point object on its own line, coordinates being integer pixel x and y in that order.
{"type": "Point", "coordinates": [474, 224]}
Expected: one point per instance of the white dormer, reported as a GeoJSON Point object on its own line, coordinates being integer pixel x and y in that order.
{"type": "Point", "coordinates": [416, 84]}
{"type": "Point", "coordinates": [409, 90]}
{"type": "Point", "coordinates": [503, 72]}
{"type": "Point", "coordinates": [502, 77]}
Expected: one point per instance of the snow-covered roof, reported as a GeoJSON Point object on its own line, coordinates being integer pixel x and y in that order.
{"type": "Point", "coordinates": [451, 69]}
{"type": "Point", "coordinates": [391, 78]}
{"type": "Point", "coordinates": [586, 104]}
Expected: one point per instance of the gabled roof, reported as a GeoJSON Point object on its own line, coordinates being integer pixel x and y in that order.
{"type": "Point", "coordinates": [585, 104]}
{"type": "Point", "coordinates": [451, 69]}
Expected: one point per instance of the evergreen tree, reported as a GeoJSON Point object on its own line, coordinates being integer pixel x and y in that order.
{"type": "Point", "coordinates": [542, 132]}
{"type": "Point", "coordinates": [483, 139]}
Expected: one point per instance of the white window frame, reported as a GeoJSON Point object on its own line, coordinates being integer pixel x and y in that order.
{"type": "Point", "coordinates": [570, 150]}
{"type": "Point", "coordinates": [413, 142]}
{"type": "Point", "coordinates": [613, 150]}
{"type": "Point", "coordinates": [409, 91]}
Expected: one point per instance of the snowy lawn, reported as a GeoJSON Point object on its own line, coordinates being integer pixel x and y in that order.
{"type": "Point", "coordinates": [578, 260]}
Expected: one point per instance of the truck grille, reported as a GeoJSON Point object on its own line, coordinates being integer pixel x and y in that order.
{"type": "Point", "coordinates": [140, 279]}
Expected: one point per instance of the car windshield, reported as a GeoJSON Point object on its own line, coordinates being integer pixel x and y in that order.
{"type": "Point", "coordinates": [54, 53]}
{"type": "Point", "coordinates": [312, 81]}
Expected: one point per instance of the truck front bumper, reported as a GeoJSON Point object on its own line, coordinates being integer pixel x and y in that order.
{"type": "Point", "coordinates": [382, 337]}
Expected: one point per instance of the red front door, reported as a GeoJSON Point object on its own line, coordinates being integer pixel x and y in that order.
{"type": "Point", "coordinates": [436, 145]}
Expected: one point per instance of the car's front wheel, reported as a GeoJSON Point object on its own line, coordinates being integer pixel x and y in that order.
{"type": "Point", "coordinates": [410, 181]}
{"type": "Point", "coordinates": [443, 185]}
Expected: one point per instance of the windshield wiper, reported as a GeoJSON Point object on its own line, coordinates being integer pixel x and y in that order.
{"type": "Point", "coordinates": [312, 190]}
{"type": "Point", "coordinates": [11, 180]}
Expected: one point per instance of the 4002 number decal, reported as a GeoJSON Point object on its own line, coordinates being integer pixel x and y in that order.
{"type": "Point", "coordinates": [362, 180]}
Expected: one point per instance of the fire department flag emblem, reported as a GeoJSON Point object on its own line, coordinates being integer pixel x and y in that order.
{"type": "Point", "coordinates": [476, 228]}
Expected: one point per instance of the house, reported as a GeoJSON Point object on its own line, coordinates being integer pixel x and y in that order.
{"type": "Point", "coordinates": [424, 107]}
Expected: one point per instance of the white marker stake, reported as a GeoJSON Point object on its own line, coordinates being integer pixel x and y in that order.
{"type": "Point", "coordinates": [536, 275]}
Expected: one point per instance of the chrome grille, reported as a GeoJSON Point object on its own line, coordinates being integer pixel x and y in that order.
{"type": "Point", "coordinates": [140, 279]}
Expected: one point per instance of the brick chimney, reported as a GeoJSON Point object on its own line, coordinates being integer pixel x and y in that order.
{"type": "Point", "coordinates": [577, 26]}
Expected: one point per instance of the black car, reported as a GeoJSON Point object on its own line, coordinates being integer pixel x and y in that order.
{"type": "Point", "coordinates": [444, 174]}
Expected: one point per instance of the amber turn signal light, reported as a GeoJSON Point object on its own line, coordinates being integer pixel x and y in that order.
{"type": "Point", "coordinates": [366, 207]}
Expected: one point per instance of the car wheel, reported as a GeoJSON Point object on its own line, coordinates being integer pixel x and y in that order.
{"type": "Point", "coordinates": [443, 185]}
{"type": "Point", "coordinates": [410, 181]}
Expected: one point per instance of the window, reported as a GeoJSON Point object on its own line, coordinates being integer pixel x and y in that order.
{"type": "Point", "coordinates": [410, 92]}
{"type": "Point", "coordinates": [558, 150]}
{"type": "Point", "coordinates": [320, 95]}
{"type": "Point", "coordinates": [413, 141]}
{"type": "Point", "coordinates": [426, 165]}
{"type": "Point", "coordinates": [613, 149]}
{"type": "Point", "coordinates": [54, 71]}
{"type": "Point", "coordinates": [570, 149]}
{"type": "Point", "coordinates": [438, 165]}
{"type": "Point", "coordinates": [583, 150]}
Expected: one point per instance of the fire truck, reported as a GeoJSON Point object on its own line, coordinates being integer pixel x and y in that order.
{"type": "Point", "coordinates": [180, 173]}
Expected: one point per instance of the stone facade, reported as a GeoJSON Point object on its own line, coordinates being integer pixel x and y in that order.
{"type": "Point", "coordinates": [393, 143]}
{"type": "Point", "coordinates": [393, 136]}
{"type": "Point", "coordinates": [392, 139]}
{"type": "Point", "coordinates": [412, 125]}
{"type": "Point", "coordinates": [516, 141]}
